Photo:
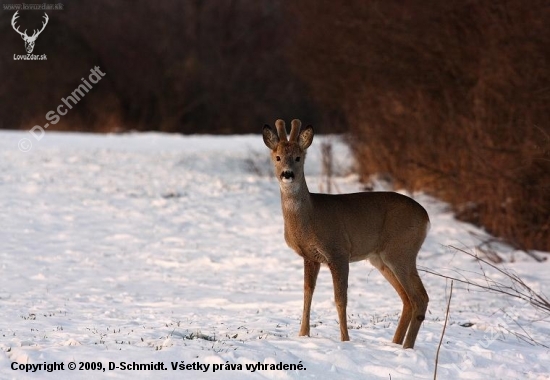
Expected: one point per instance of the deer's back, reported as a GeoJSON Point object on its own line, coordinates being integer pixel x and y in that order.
{"type": "Point", "coordinates": [360, 224]}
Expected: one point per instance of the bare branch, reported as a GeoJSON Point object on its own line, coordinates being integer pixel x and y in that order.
{"type": "Point", "coordinates": [444, 328]}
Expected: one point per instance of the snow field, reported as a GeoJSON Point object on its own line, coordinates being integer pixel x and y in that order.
{"type": "Point", "coordinates": [148, 248]}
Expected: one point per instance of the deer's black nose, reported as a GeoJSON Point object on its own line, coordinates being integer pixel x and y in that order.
{"type": "Point", "coordinates": [287, 175]}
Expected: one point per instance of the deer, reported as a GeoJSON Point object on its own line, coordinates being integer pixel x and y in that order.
{"type": "Point", "coordinates": [29, 40]}
{"type": "Point", "coordinates": [386, 228]}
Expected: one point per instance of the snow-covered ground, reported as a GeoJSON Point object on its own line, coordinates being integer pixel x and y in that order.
{"type": "Point", "coordinates": [152, 248]}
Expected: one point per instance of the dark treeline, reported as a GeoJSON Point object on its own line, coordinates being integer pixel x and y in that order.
{"type": "Point", "coordinates": [194, 66]}
{"type": "Point", "coordinates": [451, 97]}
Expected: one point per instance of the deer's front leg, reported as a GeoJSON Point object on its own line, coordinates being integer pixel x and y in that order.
{"type": "Point", "coordinates": [340, 272]}
{"type": "Point", "coordinates": [311, 270]}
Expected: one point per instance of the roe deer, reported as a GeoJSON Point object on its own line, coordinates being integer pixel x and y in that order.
{"type": "Point", "coordinates": [386, 228]}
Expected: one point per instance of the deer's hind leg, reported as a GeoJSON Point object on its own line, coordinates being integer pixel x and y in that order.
{"type": "Point", "coordinates": [419, 299]}
{"type": "Point", "coordinates": [406, 314]}
{"type": "Point", "coordinates": [406, 274]}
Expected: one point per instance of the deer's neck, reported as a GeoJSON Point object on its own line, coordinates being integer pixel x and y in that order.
{"type": "Point", "coordinates": [295, 200]}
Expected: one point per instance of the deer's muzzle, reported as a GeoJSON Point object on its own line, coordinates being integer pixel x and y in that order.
{"type": "Point", "coordinates": [287, 176]}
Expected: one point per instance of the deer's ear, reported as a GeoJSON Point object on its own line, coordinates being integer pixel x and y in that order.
{"type": "Point", "coordinates": [306, 137]}
{"type": "Point", "coordinates": [270, 137]}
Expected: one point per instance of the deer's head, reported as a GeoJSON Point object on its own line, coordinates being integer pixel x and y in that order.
{"type": "Point", "coordinates": [288, 154]}
{"type": "Point", "coordinates": [29, 40]}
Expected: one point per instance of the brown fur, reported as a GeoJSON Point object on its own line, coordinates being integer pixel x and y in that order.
{"type": "Point", "coordinates": [386, 228]}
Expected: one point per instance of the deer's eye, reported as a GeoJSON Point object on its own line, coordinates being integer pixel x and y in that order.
{"type": "Point", "coordinates": [297, 159]}
{"type": "Point", "coordinates": [278, 158]}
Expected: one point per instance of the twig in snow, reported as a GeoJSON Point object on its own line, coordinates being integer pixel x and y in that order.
{"type": "Point", "coordinates": [443, 332]}
{"type": "Point", "coordinates": [517, 288]}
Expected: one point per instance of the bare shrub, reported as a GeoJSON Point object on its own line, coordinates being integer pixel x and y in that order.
{"type": "Point", "coordinates": [449, 97]}
{"type": "Point", "coordinates": [327, 163]}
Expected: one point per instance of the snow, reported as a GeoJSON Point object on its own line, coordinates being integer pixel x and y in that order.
{"type": "Point", "coordinates": [153, 248]}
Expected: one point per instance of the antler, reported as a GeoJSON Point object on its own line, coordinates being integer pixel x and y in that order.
{"type": "Point", "coordinates": [36, 32]}
{"type": "Point", "coordinates": [15, 16]}
{"type": "Point", "coordinates": [24, 34]}
{"type": "Point", "coordinates": [281, 129]}
{"type": "Point", "coordinates": [295, 130]}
